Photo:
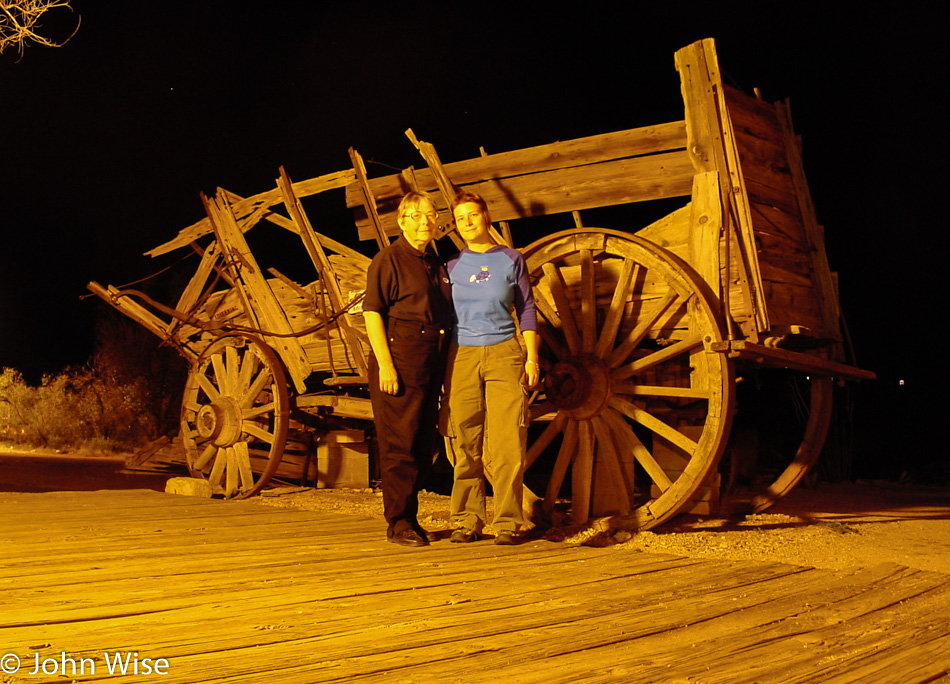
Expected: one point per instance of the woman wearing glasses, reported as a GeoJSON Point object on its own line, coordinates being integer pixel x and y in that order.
{"type": "Point", "coordinates": [487, 376]}
{"type": "Point", "coordinates": [408, 315]}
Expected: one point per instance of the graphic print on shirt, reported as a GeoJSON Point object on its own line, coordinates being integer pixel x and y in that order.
{"type": "Point", "coordinates": [481, 277]}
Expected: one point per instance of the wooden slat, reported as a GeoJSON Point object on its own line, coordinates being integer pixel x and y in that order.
{"type": "Point", "coordinates": [563, 190]}
{"type": "Point", "coordinates": [246, 206]}
{"type": "Point", "coordinates": [810, 363]}
{"type": "Point", "coordinates": [327, 277]}
{"type": "Point", "coordinates": [594, 149]}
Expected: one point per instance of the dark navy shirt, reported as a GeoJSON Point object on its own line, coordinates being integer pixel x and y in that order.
{"type": "Point", "coordinates": [405, 284]}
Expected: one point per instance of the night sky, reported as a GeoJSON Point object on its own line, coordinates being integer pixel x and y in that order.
{"type": "Point", "coordinates": [109, 140]}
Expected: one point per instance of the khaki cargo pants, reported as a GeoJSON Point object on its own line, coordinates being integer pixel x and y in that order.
{"type": "Point", "coordinates": [483, 421]}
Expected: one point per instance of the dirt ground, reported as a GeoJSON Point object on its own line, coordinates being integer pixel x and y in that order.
{"type": "Point", "coordinates": [835, 526]}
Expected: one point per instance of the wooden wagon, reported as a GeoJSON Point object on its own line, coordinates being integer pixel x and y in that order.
{"type": "Point", "coordinates": [646, 328]}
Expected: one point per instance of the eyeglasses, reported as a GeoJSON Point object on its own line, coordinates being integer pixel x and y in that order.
{"type": "Point", "coordinates": [417, 215]}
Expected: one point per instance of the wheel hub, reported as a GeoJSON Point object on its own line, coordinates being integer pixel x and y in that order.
{"type": "Point", "coordinates": [579, 386]}
{"type": "Point", "coordinates": [220, 422]}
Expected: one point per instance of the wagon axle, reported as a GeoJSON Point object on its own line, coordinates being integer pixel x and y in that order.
{"type": "Point", "coordinates": [220, 422]}
{"type": "Point", "coordinates": [580, 386]}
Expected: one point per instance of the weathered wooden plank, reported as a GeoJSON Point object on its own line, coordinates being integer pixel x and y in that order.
{"type": "Point", "coordinates": [574, 188]}
{"type": "Point", "coordinates": [810, 363]}
{"type": "Point", "coordinates": [594, 149]}
{"type": "Point", "coordinates": [713, 146]}
{"type": "Point", "coordinates": [130, 308]}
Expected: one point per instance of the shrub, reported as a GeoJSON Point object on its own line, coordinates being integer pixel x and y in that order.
{"type": "Point", "coordinates": [128, 394]}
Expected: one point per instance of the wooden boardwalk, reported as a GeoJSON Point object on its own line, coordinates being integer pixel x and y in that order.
{"type": "Point", "coordinates": [239, 592]}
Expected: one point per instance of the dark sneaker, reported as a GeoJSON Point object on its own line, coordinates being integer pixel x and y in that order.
{"type": "Point", "coordinates": [506, 539]}
{"type": "Point", "coordinates": [407, 537]}
{"type": "Point", "coordinates": [463, 535]}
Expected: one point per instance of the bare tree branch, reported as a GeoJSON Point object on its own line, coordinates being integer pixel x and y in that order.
{"type": "Point", "coordinates": [19, 23]}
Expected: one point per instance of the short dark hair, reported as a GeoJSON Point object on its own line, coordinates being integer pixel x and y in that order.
{"type": "Point", "coordinates": [467, 196]}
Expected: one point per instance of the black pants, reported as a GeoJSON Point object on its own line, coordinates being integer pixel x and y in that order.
{"type": "Point", "coordinates": [406, 423]}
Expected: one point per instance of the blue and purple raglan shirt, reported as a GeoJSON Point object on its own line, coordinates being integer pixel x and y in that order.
{"type": "Point", "coordinates": [485, 285]}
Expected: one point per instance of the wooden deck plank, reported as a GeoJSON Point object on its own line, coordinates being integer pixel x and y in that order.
{"type": "Point", "coordinates": [238, 592]}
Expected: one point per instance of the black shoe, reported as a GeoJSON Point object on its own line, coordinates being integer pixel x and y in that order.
{"type": "Point", "coordinates": [407, 537]}
{"type": "Point", "coordinates": [430, 536]}
{"type": "Point", "coordinates": [463, 535]}
{"type": "Point", "coordinates": [506, 539]}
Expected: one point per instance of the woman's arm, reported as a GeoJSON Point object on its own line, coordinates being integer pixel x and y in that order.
{"type": "Point", "coordinates": [376, 331]}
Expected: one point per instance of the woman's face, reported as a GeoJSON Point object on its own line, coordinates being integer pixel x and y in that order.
{"type": "Point", "coordinates": [472, 223]}
{"type": "Point", "coordinates": [418, 224]}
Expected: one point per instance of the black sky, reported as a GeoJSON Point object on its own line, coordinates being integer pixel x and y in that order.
{"type": "Point", "coordinates": [109, 140]}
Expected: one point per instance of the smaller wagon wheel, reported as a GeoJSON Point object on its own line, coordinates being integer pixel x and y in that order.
{"type": "Point", "coordinates": [757, 469]}
{"type": "Point", "coordinates": [234, 416]}
{"type": "Point", "coordinates": [640, 405]}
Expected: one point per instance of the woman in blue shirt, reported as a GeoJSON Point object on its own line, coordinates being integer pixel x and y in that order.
{"type": "Point", "coordinates": [488, 373]}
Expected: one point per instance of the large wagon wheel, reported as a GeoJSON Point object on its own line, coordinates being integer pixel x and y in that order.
{"type": "Point", "coordinates": [234, 416]}
{"type": "Point", "coordinates": [641, 407]}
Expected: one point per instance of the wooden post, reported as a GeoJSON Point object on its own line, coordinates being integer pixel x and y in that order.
{"type": "Point", "coordinates": [368, 200]}
{"type": "Point", "coordinates": [324, 268]}
{"type": "Point", "coordinates": [260, 304]}
{"type": "Point", "coordinates": [711, 146]}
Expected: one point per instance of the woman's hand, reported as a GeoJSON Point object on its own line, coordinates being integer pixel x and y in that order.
{"type": "Point", "coordinates": [388, 379]}
{"type": "Point", "coordinates": [531, 373]}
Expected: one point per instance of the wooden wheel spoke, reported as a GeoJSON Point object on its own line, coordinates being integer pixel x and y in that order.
{"type": "Point", "coordinates": [258, 411]}
{"type": "Point", "coordinates": [217, 470]}
{"type": "Point", "coordinates": [249, 365]}
{"type": "Point", "coordinates": [260, 382]}
{"type": "Point", "coordinates": [221, 372]}
{"type": "Point", "coordinates": [538, 411]}
{"type": "Point", "coordinates": [582, 472]}
{"type": "Point", "coordinates": [545, 438]}
{"type": "Point", "coordinates": [643, 456]}
{"type": "Point", "coordinates": [654, 424]}
{"type": "Point", "coordinates": [588, 302]}
{"type": "Point", "coordinates": [611, 461]}
{"type": "Point", "coordinates": [546, 308]}
{"type": "Point", "coordinates": [204, 382]}
{"type": "Point", "coordinates": [659, 391]}
{"type": "Point", "coordinates": [620, 354]}
{"type": "Point", "coordinates": [657, 357]}
{"type": "Point", "coordinates": [190, 405]}
{"type": "Point", "coordinates": [546, 332]}
{"type": "Point", "coordinates": [232, 368]}
{"type": "Point", "coordinates": [608, 333]}
{"type": "Point", "coordinates": [243, 461]}
{"type": "Point", "coordinates": [233, 472]}
{"type": "Point", "coordinates": [559, 291]}
{"type": "Point", "coordinates": [256, 430]}
{"type": "Point", "coordinates": [205, 457]}
{"type": "Point", "coordinates": [564, 456]}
